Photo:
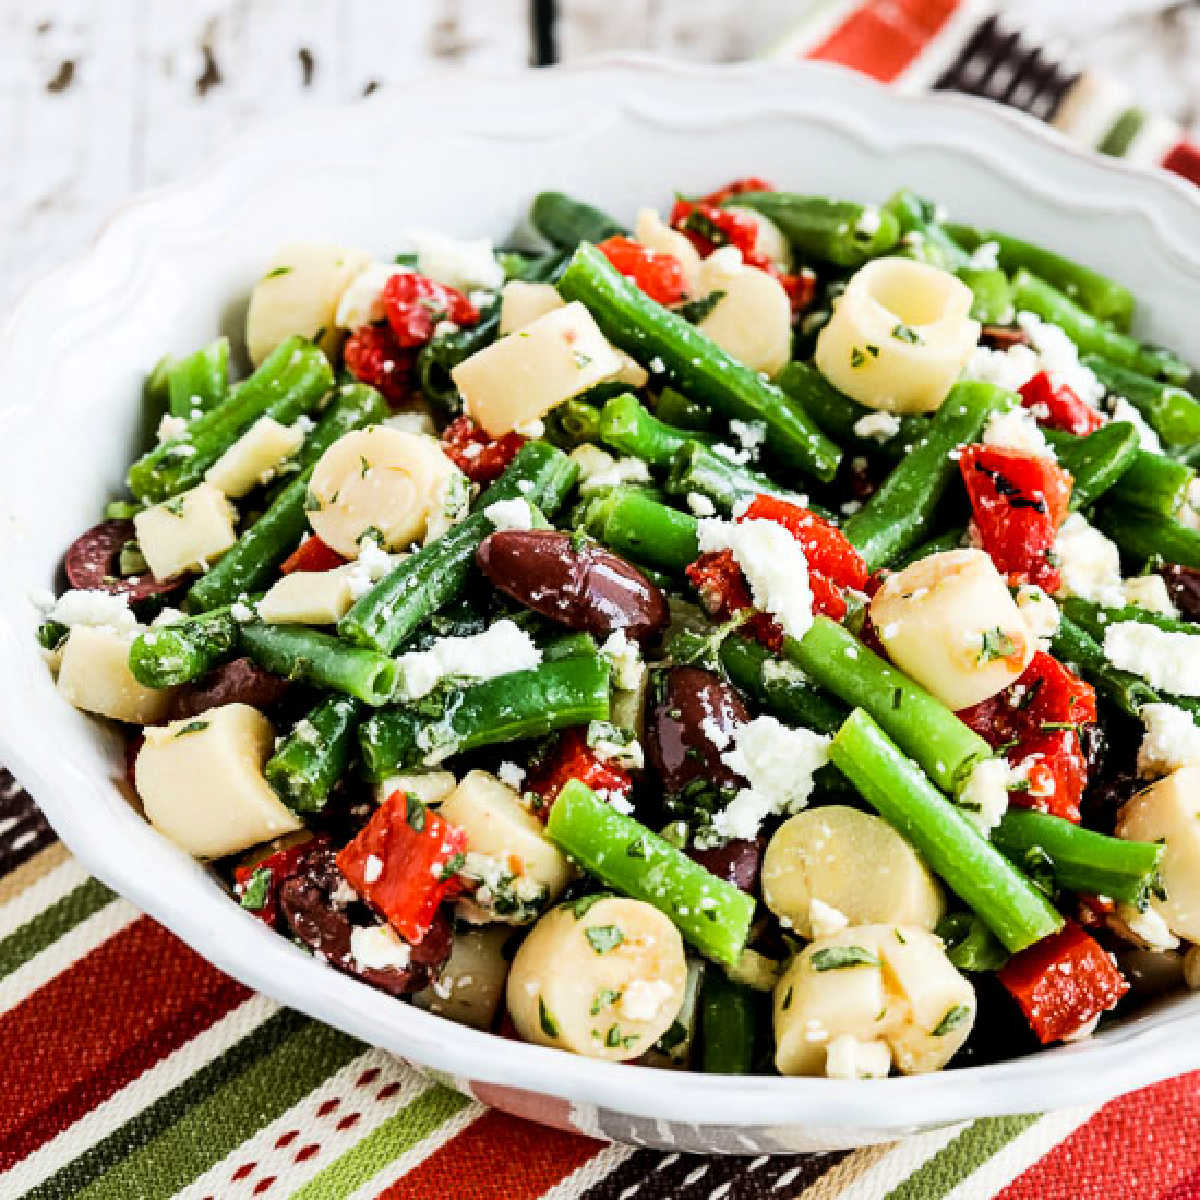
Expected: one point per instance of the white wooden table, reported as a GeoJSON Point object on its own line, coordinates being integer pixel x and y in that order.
{"type": "Point", "coordinates": [100, 99]}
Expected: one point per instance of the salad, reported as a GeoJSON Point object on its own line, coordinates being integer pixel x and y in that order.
{"type": "Point", "coordinates": [765, 639]}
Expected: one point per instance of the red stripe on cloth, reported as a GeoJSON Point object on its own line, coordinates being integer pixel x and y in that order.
{"type": "Point", "coordinates": [883, 37]}
{"type": "Point", "coordinates": [1142, 1145]}
{"type": "Point", "coordinates": [88, 1032]}
{"type": "Point", "coordinates": [1184, 159]}
{"type": "Point", "coordinates": [497, 1157]}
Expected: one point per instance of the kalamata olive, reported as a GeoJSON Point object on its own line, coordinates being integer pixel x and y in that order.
{"type": "Point", "coordinates": [241, 681]}
{"type": "Point", "coordinates": [314, 914]}
{"type": "Point", "coordinates": [690, 726]}
{"type": "Point", "coordinates": [1002, 337]}
{"type": "Point", "coordinates": [90, 559]}
{"type": "Point", "coordinates": [737, 862]}
{"type": "Point", "coordinates": [577, 583]}
{"type": "Point", "coordinates": [1183, 583]}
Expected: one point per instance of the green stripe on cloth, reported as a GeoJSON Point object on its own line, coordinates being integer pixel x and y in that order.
{"type": "Point", "coordinates": [52, 923]}
{"type": "Point", "coordinates": [278, 1036]}
{"type": "Point", "coordinates": [397, 1135]}
{"type": "Point", "coordinates": [959, 1158]}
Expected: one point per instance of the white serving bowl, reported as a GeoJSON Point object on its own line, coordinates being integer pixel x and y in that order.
{"type": "Point", "coordinates": [176, 265]}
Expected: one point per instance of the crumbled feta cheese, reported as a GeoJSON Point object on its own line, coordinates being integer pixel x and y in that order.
{"type": "Point", "coordinates": [1089, 564]}
{"type": "Point", "coordinates": [1016, 430]}
{"type": "Point", "coordinates": [625, 659]}
{"type": "Point", "coordinates": [1009, 369]}
{"type": "Point", "coordinates": [643, 999]}
{"type": "Point", "coordinates": [169, 616]}
{"type": "Point", "coordinates": [824, 919]}
{"type": "Point", "coordinates": [510, 514]}
{"type": "Point", "coordinates": [869, 221]}
{"type": "Point", "coordinates": [778, 764]}
{"type": "Point", "coordinates": [877, 425]}
{"type": "Point", "coordinates": [848, 1058]}
{"type": "Point", "coordinates": [591, 460]}
{"type": "Point", "coordinates": [1166, 660]}
{"type": "Point", "coordinates": [1147, 928]}
{"type": "Point", "coordinates": [1171, 740]}
{"type": "Point", "coordinates": [464, 265]}
{"type": "Point", "coordinates": [750, 434]}
{"type": "Point", "coordinates": [372, 868]}
{"type": "Point", "coordinates": [499, 650]}
{"type": "Point", "coordinates": [1122, 410]}
{"type": "Point", "coordinates": [986, 257]}
{"type": "Point", "coordinates": [1150, 592]}
{"type": "Point", "coordinates": [1058, 356]}
{"type": "Point", "coordinates": [362, 301]}
{"type": "Point", "coordinates": [656, 366]}
{"type": "Point", "coordinates": [343, 894]}
{"type": "Point", "coordinates": [774, 566]}
{"type": "Point", "coordinates": [97, 608]}
{"type": "Point", "coordinates": [378, 948]}
{"type": "Point", "coordinates": [627, 754]}
{"type": "Point", "coordinates": [170, 427]}
{"type": "Point", "coordinates": [511, 775]}
{"type": "Point", "coordinates": [735, 455]}
{"type": "Point", "coordinates": [241, 611]}
{"type": "Point", "coordinates": [700, 505]}
{"type": "Point", "coordinates": [1040, 613]}
{"type": "Point", "coordinates": [372, 564]}
{"type": "Point", "coordinates": [984, 797]}
{"type": "Point", "coordinates": [618, 472]}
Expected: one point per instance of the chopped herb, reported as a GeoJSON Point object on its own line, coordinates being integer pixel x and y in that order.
{"type": "Point", "coordinates": [581, 359]}
{"type": "Point", "coordinates": [897, 697]}
{"type": "Point", "coordinates": [857, 357]}
{"type": "Point", "coordinates": [320, 333]}
{"type": "Point", "coordinates": [546, 1019]}
{"type": "Point", "coordinates": [603, 999]}
{"type": "Point", "coordinates": [1054, 726]}
{"type": "Point", "coordinates": [674, 1037]}
{"type": "Point", "coordinates": [312, 502]}
{"type": "Point", "coordinates": [996, 644]}
{"type": "Point", "coordinates": [277, 272]}
{"type": "Point", "coordinates": [787, 999]}
{"type": "Point", "coordinates": [906, 333]}
{"type": "Point", "coordinates": [954, 1017]}
{"type": "Point", "coordinates": [371, 533]}
{"type": "Point", "coordinates": [254, 894]}
{"type": "Point", "coordinates": [415, 814]}
{"type": "Point", "coordinates": [453, 865]}
{"type": "Point", "coordinates": [614, 1038]}
{"type": "Point", "coordinates": [191, 727]}
{"type": "Point", "coordinates": [696, 310]}
{"type": "Point", "coordinates": [900, 937]}
{"type": "Point", "coordinates": [838, 958]}
{"type": "Point", "coordinates": [363, 466]}
{"type": "Point", "coordinates": [603, 938]}
{"type": "Point", "coordinates": [638, 848]}
{"type": "Point", "coordinates": [581, 906]}
{"type": "Point", "coordinates": [174, 506]}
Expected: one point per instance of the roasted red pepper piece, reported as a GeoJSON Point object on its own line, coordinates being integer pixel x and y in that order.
{"type": "Point", "coordinates": [373, 356]}
{"type": "Point", "coordinates": [1018, 501]}
{"type": "Point", "coordinates": [658, 274]}
{"type": "Point", "coordinates": [312, 555]}
{"type": "Point", "coordinates": [1059, 407]}
{"type": "Point", "coordinates": [1063, 983]}
{"type": "Point", "coordinates": [572, 758]}
{"type": "Point", "coordinates": [801, 287]}
{"type": "Point", "coordinates": [1027, 720]}
{"type": "Point", "coordinates": [708, 227]}
{"type": "Point", "coordinates": [257, 880]}
{"type": "Point", "coordinates": [479, 457]}
{"type": "Point", "coordinates": [404, 863]}
{"type": "Point", "coordinates": [415, 304]}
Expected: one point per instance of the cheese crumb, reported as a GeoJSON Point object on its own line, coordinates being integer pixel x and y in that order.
{"type": "Point", "coordinates": [1171, 740]}
{"type": "Point", "coordinates": [643, 999]}
{"type": "Point", "coordinates": [700, 505]}
{"type": "Point", "coordinates": [1016, 430]}
{"type": "Point", "coordinates": [625, 659]}
{"type": "Point", "coordinates": [499, 650]}
{"type": "Point", "coordinates": [984, 797]}
{"type": "Point", "coordinates": [98, 608]}
{"type": "Point", "coordinates": [511, 775]}
{"type": "Point", "coordinates": [878, 425]}
{"type": "Point", "coordinates": [1089, 564]}
{"type": "Point", "coordinates": [378, 948]}
{"type": "Point", "coordinates": [1166, 660]}
{"type": "Point", "coordinates": [1150, 592]}
{"type": "Point", "coordinates": [510, 514]}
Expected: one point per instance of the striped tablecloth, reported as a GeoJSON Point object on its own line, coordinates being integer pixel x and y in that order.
{"type": "Point", "coordinates": [134, 1070]}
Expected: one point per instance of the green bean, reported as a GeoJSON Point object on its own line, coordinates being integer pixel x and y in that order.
{"type": "Point", "coordinates": [921, 725]}
{"type": "Point", "coordinates": [507, 708]}
{"type": "Point", "coordinates": [1096, 462]}
{"type": "Point", "coordinates": [1153, 482]}
{"type": "Point", "coordinates": [779, 686]}
{"type": "Point", "coordinates": [970, 944]}
{"type": "Point", "coordinates": [425, 581]}
{"type": "Point", "coordinates": [290, 382]}
{"type": "Point", "coordinates": [676, 409]}
{"type": "Point", "coordinates": [695, 362]}
{"type": "Point", "coordinates": [922, 235]}
{"type": "Point", "coordinates": [836, 231]}
{"type": "Point", "coordinates": [837, 414]}
{"type": "Point", "coordinates": [713, 915]}
{"type": "Point", "coordinates": [557, 646]}
{"type": "Point", "coordinates": [571, 424]}
{"type": "Point", "coordinates": [1016, 912]}
{"type": "Point", "coordinates": [628, 427]}
{"type": "Point", "coordinates": [156, 390]}
{"type": "Point", "coordinates": [698, 470]}
{"type": "Point", "coordinates": [315, 754]}
{"type": "Point", "coordinates": [1091, 335]}
{"type": "Point", "coordinates": [1143, 535]}
{"type": "Point", "coordinates": [639, 527]}
{"type": "Point", "coordinates": [200, 381]}
{"type": "Point", "coordinates": [166, 655]}
{"type": "Point", "coordinates": [898, 515]}
{"type": "Point", "coordinates": [1172, 412]}
{"type": "Point", "coordinates": [1094, 618]}
{"type": "Point", "coordinates": [321, 659]}
{"type": "Point", "coordinates": [727, 1025]}
{"type": "Point", "coordinates": [1104, 298]}
{"type": "Point", "coordinates": [1081, 859]}
{"type": "Point", "coordinates": [251, 563]}
{"type": "Point", "coordinates": [1076, 647]}
{"type": "Point", "coordinates": [567, 222]}
{"type": "Point", "coordinates": [992, 302]}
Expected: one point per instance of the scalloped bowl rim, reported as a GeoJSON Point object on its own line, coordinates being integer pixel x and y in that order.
{"type": "Point", "coordinates": [1128, 1055]}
